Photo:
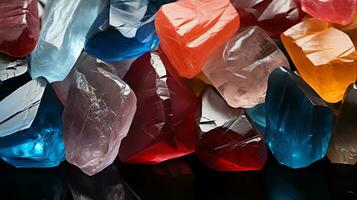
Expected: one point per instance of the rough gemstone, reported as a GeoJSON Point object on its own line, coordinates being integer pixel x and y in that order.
{"type": "Point", "coordinates": [333, 11]}
{"type": "Point", "coordinates": [298, 122]}
{"type": "Point", "coordinates": [191, 30]}
{"type": "Point", "coordinates": [98, 112]}
{"type": "Point", "coordinates": [257, 116]}
{"type": "Point", "coordinates": [31, 126]}
{"type": "Point", "coordinates": [63, 37]}
{"type": "Point", "coordinates": [165, 125]}
{"type": "Point", "coordinates": [324, 56]}
{"type": "Point", "coordinates": [19, 27]}
{"type": "Point", "coordinates": [343, 145]}
{"type": "Point", "coordinates": [129, 33]}
{"type": "Point", "coordinates": [239, 69]}
{"type": "Point", "coordinates": [11, 67]}
{"type": "Point", "coordinates": [228, 142]}
{"type": "Point", "coordinates": [274, 16]}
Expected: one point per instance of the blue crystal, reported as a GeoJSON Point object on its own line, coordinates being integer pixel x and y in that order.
{"type": "Point", "coordinates": [63, 37]}
{"type": "Point", "coordinates": [31, 127]}
{"type": "Point", "coordinates": [129, 32]}
{"type": "Point", "coordinates": [257, 116]}
{"type": "Point", "coordinates": [298, 122]}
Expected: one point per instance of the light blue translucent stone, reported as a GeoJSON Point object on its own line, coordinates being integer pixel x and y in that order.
{"type": "Point", "coordinates": [298, 122]}
{"type": "Point", "coordinates": [257, 117]}
{"type": "Point", "coordinates": [63, 36]}
{"type": "Point", "coordinates": [129, 32]}
{"type": "Point", "coordinates": [38, 140]}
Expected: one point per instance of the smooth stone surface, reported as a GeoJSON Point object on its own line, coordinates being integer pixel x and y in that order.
{"type": "Point", "coordinates": [343, 145]}
{"type": "Point", "coordinates": [333, 11]}
{"type": "Point", "coordinates": [98, 112]}
{"type": "Point", "coordinates": [228, 142]}
{"type": "Point", "coordinates": [11, 67]}
{"type": "Point", "coordinates": [240, 68]}
{"type": "Point", "coordinates": [298, 122]}
{"type": "Point", "coordinates": [257, 117]}
{"type": "Point", "coordinates": [31, 127]}
{"type": "Point", "coordinates": [129, 32]}
{"type": "Point", "coordinates": [165, 125]}
{"type": "Point", "coordinates": [324, 56]}
{"type": "Point", "coordinates": [63, 37]}
{"type": "Point", "coordinates": [274, 16]}
{"type": "Point", "coordinates": [19, 27]}
{"type": "Point", "coordinates": [191, 30]}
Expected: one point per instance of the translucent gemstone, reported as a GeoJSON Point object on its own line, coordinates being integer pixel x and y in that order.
{"type": "Point", "coordinates": [31, 126]}
{"type": "Point", "coordinates": [343, 145]}
{"type": "Point", "coordinates": [274, 16]}
{"type": "Point", "coordinates": [98, 112]}
{"type": "Point", "coordinates": [19, 27]}
{"type": "Point", "coordinates": [324, 56]}
{"type": "Point", "coordinates": [63, 37]}
{"type": "Point", "coordinates": [240, 68]}
{"type": "Point", "coordinates": [298, 122]}
{"type": "Point", "coordinates": [228, 142]}
{"type": "Point", "coordinates": [333, 11]}
{"type": "Point", "coordinates": [129, 33]}
{"type": "Point", "coordinates": [165, 125]}
{"type": "Point", "coordinates": [11, 67]}
{"type": "Point", "coordinates": [191, 30]}
{"type": "Point", "coordinates": [257, 117]}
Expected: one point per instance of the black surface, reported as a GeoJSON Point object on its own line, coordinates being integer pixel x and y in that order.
{"type": "Point", "coordinates": [181, 179]}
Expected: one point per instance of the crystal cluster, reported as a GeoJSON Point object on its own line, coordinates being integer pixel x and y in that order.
{"type": "Point", "coordinates": [146, 81]}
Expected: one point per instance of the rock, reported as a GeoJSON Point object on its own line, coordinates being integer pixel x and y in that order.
{"type": "Point", "coordinates": [228, 141]}
{"type": "Point", "coordinates": [98, 112]}
{"type": "Point", "coordinates": [165, 125]}
{"type": "Point", "coordinates": [298, 122]}
{"type": "Point", "coordinates": [191, 30]}
{"type": "Point", "coordinates": [239, 69]}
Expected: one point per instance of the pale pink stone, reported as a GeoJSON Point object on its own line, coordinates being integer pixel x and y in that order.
{"type": "Point", "coordinates": [98, 112]}
{"type": "Point", "coordinates": [239, 69]}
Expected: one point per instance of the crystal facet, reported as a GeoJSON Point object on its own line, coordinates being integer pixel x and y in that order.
{"type": "Point", "coordinates": [298, 122]}
{"type": "Point", "coordinates": [333, 11]}
{"type": "Point", "coordinates": [257, 116]}
{"type": "Point", "coordinates": [165, 125]}
{"type": "Point", "coordinates": [129, 33]}
{"type": "Point", "coordinates": [228, 141]}
{"type": "Point", "coordinates": [324, 56]}
{"type": "Point", "coordinates": [191, 30]}
{"type": "Point", "coordinates": [240, 68]}
{"type": "Point", "coordinates": [31, 126]}
{"type": "Point", "coordinates": [98, 112]}
{"type": "Point", "coordinates": [63, 37]}
{"type": "Point", "coordinates": [274, 16]}
{"type": "Point", "coordinates": [11, 67]}
{"type": "Point", "coordinates": [343, 145]}
{"type": "Point", "coordinates": [19, 27]}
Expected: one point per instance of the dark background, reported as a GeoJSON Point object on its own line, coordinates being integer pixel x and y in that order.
{"type": "Point", "coordinates": [181, 179]}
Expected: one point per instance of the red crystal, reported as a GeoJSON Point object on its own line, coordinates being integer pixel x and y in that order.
{"type": "Point", "coordinates": [19, 27]}
{"type": "Point", "coordinates": [274, 16]}
{"type": "Point", "coordinates": [165, 124]}
{"type": "Point", "coordinates": [228, 141]}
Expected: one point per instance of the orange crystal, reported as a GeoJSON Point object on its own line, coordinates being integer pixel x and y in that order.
{"type": "Point", "coordinates": [190, 30]}
{"type": "Point", "coordinates": [324, 56]}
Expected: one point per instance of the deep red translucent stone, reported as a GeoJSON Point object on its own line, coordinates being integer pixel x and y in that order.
{"type": "Point", "coordinates": [165, 124]}
{"type": "Point", "coordinates": [19, 27]}
{"type": "Point", "coordinates": [274, 16]}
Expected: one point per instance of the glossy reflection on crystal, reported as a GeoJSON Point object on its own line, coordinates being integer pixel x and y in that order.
{"type": "Point", "coordinates": [343, 145]}
{"type": "Point", "coordinates": [63, 37]}
{"type": "Point", "coordinates": [191, 30]}
{"type": "Point", "coordinates": [165, 125]}
{"type": "Point", "coordinates": [240, 68]}
{"type": "Point", "coordinates": [228, 141]}
{"type": "Point", "coordinates": [31, 126]}
{"type": "Point", "coordinates": [298, 122]}
{"type": "Point", "coordinates": [11, 67]}
{"type": "Point", "coordinates": [274, 16]}
{"type": "Point", "coordinates": [324, 56]}
{"type": "Point", "coordinates": [98, 112]}
{"type": "Point", "coordinates": [129, 32]}
{"type": "Point", "coordinates": [257, 116]}
{"type": "Point", "coordinates": [19, 27]}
